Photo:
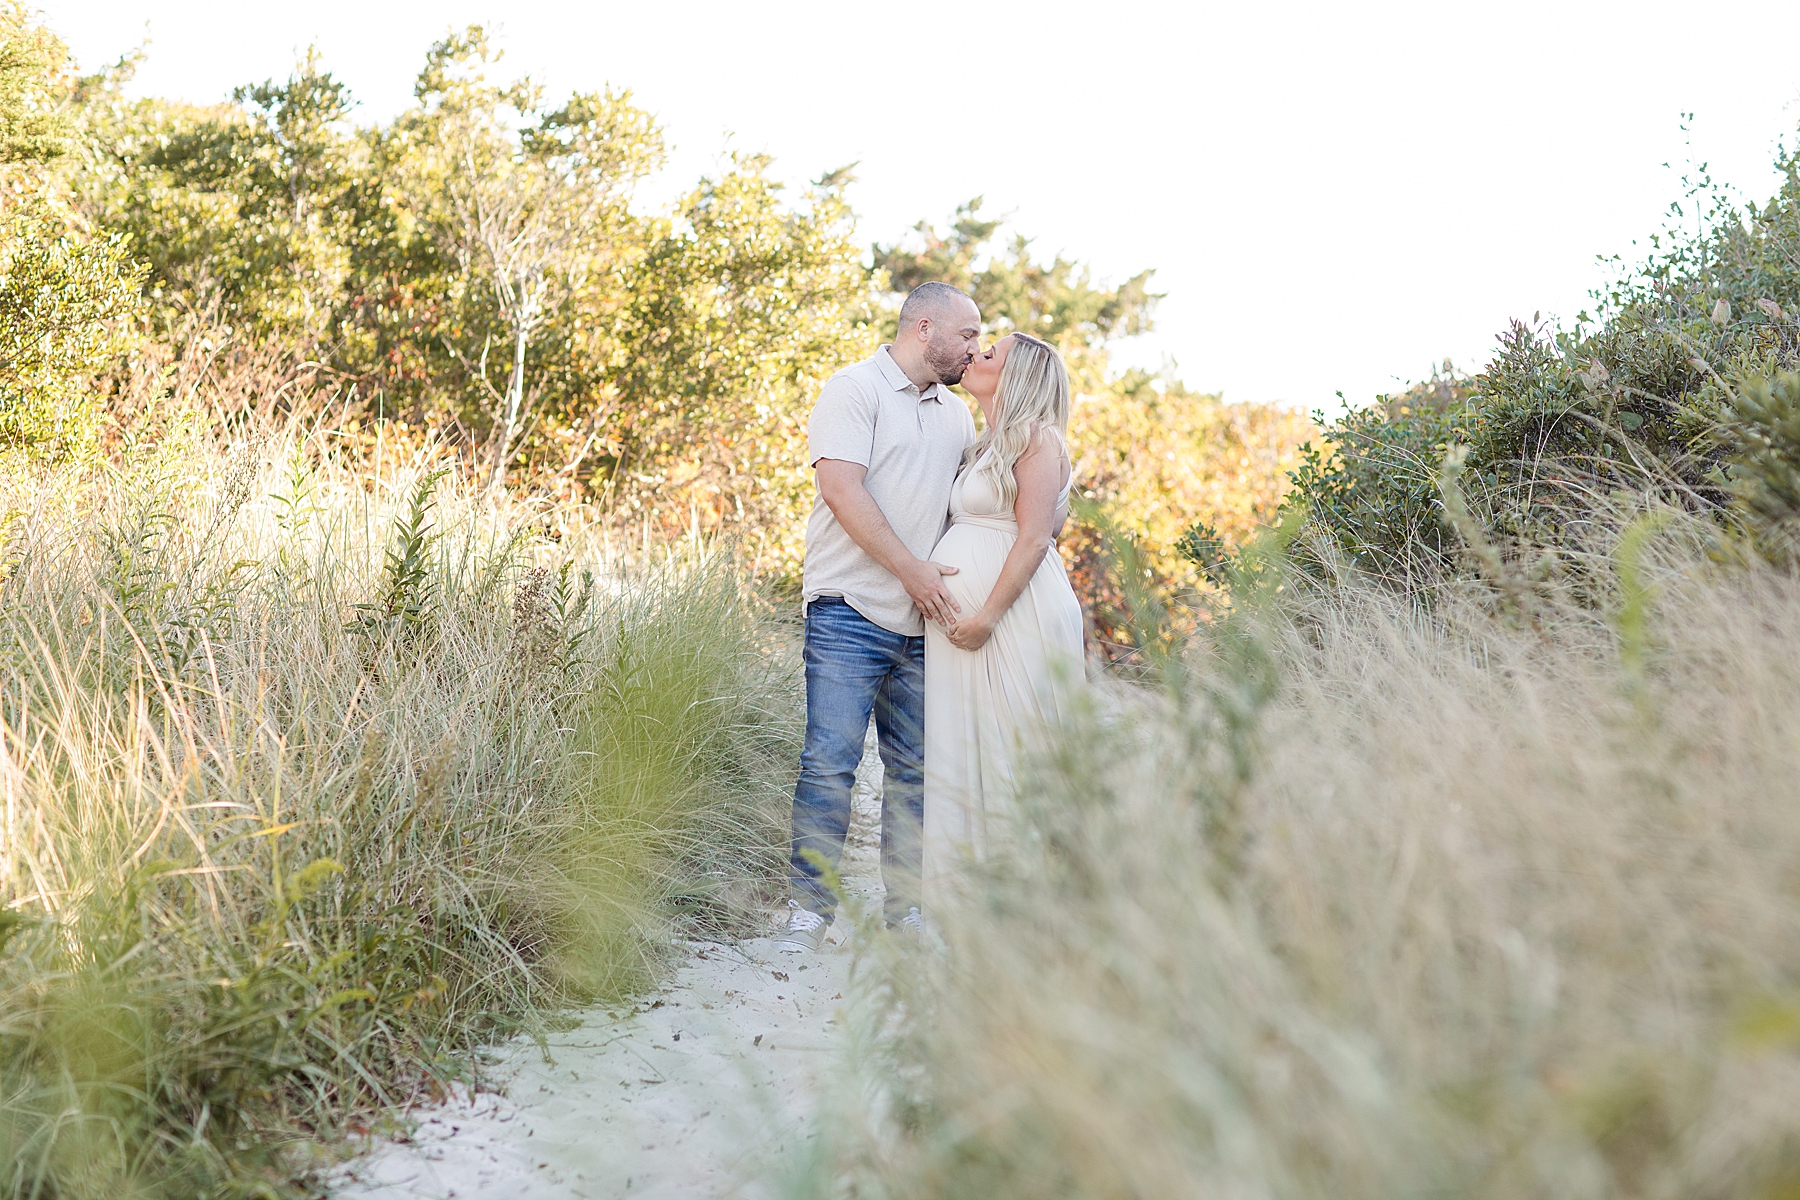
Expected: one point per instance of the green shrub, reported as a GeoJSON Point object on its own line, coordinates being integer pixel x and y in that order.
{"type": "Point", "coordinates": [69, 299]}
{"type": "Point", "coordinates": [482, 265]}
{"type": "Point", "coordinates": [34, 124]}
{"type": "Point", "coordinates": [1374, 486]}
{"type": "Point", "coordinates": [68, 309]}
{"type": "Point", "coordinates": [1640, 399]}
{"type": "Point", "coordinates": [1761, 438]}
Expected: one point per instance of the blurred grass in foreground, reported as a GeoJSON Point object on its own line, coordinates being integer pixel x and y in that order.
{"type": "Point", "coordinates": [1356, 900]}
{"type": "Point", "coordinates": [312, 779]}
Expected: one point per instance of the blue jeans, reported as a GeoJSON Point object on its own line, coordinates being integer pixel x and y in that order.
{"type": "Point", "coordinates": [854, 668]}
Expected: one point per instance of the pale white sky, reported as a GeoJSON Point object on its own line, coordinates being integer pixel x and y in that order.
{"type": "Point", "coordinates": [1335, 196]}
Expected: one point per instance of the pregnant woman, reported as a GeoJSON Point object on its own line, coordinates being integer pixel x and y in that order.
{"type": "Point", "coordinates": [1012, 659]}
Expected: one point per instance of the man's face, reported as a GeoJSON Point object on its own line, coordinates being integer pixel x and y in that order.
{"type": "Point", "coordinates": [953, 341]}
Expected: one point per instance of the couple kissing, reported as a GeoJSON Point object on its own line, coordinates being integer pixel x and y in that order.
{"type": "Point", "coordinates": [934, 600]}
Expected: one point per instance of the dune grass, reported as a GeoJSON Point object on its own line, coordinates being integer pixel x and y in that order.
{"type": "Point", "coordinates": [315, 778]}
{"type": "Point", "coordinates": [1359, 900]}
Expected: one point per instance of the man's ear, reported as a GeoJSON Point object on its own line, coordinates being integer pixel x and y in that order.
{"type": "Point", "coordinates": [922, 327]}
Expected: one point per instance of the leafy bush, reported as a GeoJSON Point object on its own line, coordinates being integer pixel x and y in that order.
{"type": "Point", "coordinates": [34, 125]}
{"type": "Point", "coordinates": [1760, 435]}
{"type": "Point", "coordinates": [1155, 461]}
{"type": "Point", "coordinates": [1647, 398]}
{"type": "Point", "coordinates": [1373, 484]}
{"type": "Point", "coordinates": [68, 299]}
{"type": "Point", "coordinates": [738, 312]}
{"type": "Point", "coordinates": [68, 310]}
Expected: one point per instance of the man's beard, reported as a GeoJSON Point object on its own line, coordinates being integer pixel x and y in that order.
{"type": "Point", "coordinates": [948, 365]}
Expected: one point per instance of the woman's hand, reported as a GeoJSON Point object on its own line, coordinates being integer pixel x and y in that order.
{"type": "Point", "coordinates": [971, 633]}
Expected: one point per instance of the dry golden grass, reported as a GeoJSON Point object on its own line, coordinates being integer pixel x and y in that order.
{"type": "Point", "coordinates": [1371, 902]}
{"type": "Point", "coordinates": [313, 778]}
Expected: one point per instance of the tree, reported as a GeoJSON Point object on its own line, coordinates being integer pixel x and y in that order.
{"type": "Point", "coordinates": [245, 210]}
{"type": "Point", "coordinates": [34, 122]}
{"type": "Point", "coordinates": [67, 307]}
{"type": "Point", "coordinates": [739, 311]}
{"type": "Point", "coordinates": [1056, 301]}
{"type": "Point", "coordinates": [528, 219]}
{"type": "Point", "coordinates": [941, 257]}
{"type": "Point", "coordinates": [67, 300]}
{"type": "Point", "coordinates": [482, 223]}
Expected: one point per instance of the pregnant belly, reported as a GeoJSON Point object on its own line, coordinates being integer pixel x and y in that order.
{"type": "Point", "coordinates": [977, 554]}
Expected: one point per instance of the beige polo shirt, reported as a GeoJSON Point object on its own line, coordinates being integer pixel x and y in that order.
{"type": "Point", "coordinates": [873, 415]}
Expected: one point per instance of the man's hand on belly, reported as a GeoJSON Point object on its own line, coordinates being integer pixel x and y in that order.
{"type": "Point", "coordinates": [924, 582]}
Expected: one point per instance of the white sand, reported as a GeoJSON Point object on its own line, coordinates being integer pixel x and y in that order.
{"type": "Point", "coordinates": [704, 1089]}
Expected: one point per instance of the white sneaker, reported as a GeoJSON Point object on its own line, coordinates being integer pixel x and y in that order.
{"type": "Point", "coordinates": [913, 922]}
{"type": "Point", "coordinates": [805, 930]}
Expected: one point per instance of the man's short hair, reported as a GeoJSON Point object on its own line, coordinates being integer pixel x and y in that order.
{"type": "Point", "coordinates": [932, 299]}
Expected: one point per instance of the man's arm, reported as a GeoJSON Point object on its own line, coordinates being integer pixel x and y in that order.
{"type": "Point", "coordinates": [841, 484]}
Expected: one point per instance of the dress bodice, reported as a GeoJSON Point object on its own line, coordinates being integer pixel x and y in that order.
{"type": "Point", "coordinates": [974, 500]}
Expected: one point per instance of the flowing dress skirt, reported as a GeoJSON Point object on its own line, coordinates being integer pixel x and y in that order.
{"type": "Point", "coordinates": [983, 706]}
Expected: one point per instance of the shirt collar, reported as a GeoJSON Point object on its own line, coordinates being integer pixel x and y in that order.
{"type": "Point", "coordinates": [891, 371]}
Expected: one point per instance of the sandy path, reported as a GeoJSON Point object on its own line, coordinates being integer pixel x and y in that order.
{"type": "Point", "coordinates": [699, 1090]}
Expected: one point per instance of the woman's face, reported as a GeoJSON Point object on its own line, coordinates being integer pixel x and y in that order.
{"type": "Point", "coordinates": [982, 376]}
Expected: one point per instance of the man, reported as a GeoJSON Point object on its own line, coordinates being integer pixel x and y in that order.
{"type": "Point", "coordinates": [885, 440]}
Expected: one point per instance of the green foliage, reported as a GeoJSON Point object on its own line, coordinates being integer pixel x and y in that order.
{"type": "Point", "coordinates": [1647, 398]}
{"type": "Point", "coordinates": [1761, 439]}
{"type": "Point", "coordinates": [739, 312]}
{"type": "Point", "coordinates": [68, 308]}
{"type": "Point", "coordinates": [477, 266]}
{"type": "Point", "coordinates": [1156, 462]}
{"type": "Point", "coordinates": [244, 210]}
{"type": "Point", "coordinates": [1201, 545]}
{"type": "Point", "coordinates": [945, 257]}
{"type": "Point", "coordinates": [68, 300]}
{"type": "Point", "coordinates": [525, 207]}
{"type": "Point", "coordinates": [34, 125]}
{"type": "Point", "coordinates": [1374, 486]}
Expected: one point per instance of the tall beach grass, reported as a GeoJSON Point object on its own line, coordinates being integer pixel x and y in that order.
{"type": "Point", "coordinates": [315, 777]}
{"type": "Point", "coordinates": [1361, 900]}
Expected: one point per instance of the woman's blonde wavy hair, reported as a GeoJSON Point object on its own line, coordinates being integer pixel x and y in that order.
{"type": "Point", "coordinates": [1033, 394]}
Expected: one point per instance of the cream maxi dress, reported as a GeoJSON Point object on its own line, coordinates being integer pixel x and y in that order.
{"type": "Point", "coordinates": [981, 704]}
